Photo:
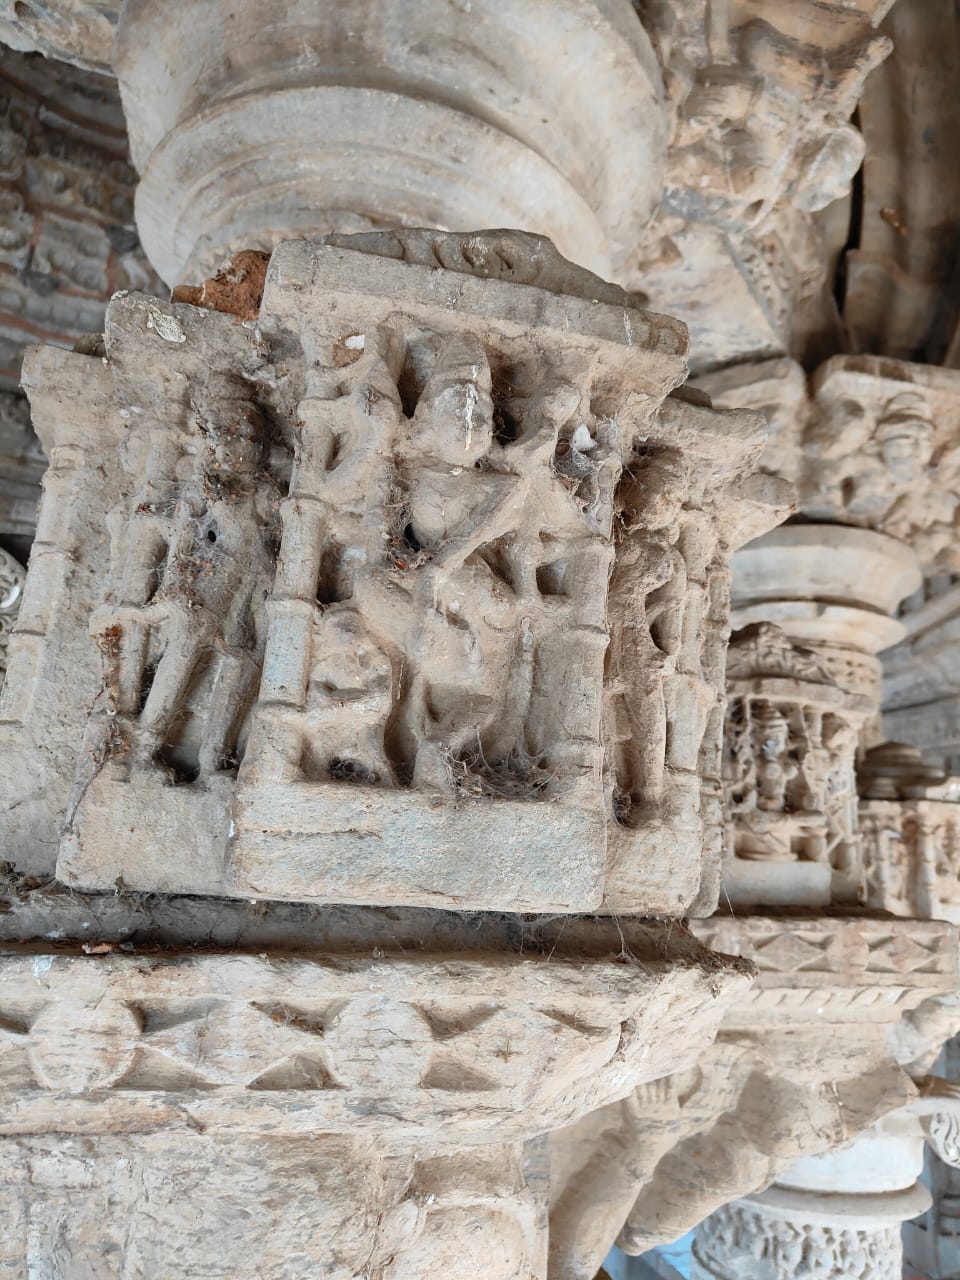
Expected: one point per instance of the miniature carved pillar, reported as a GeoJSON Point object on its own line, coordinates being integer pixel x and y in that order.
{"type": "Point", "coordinates": [804, 691]}
{"type": "Point", "coordinates": [789, 774]}
{"type": "Point", "coordinates": [449, 115]}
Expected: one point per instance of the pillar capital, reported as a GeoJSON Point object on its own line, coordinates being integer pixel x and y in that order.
{"type": "Point", "coordinates": [414, 563]}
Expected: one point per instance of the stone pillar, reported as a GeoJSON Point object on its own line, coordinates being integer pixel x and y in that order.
{"type": "Point", "coordinates": [412, 592]}
{"type": "Point", "coordinates": [870, 449]}
{"type": "Point", "coordinates": [790, 774]}
{"type": "Point", "coordinates": [368, 1110]}
{"type": "Point", "coordinates": [795, 720]}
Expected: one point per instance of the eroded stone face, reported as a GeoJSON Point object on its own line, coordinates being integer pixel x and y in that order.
{"type": "Point", "coordinates": [415, 592]}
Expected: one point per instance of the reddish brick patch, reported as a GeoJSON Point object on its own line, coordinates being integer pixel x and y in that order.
{"type": "Point", "coordinates": [236, 288]}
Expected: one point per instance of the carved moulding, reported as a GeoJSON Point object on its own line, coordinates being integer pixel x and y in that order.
{"type": "Point", "coordinates": [503, 132]}
{"type": "Point", "coordinates": [353, 638]}
{"type": "Point", "coordinates": [761, 1239]}
{"type": "Point", "coordinates": [843, 1017]}
{"type": "Point", "coordinates": [362, 1109]}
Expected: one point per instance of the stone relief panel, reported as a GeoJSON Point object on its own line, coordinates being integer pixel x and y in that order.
{"type": "Point", "coordinates": [382, 560]}
{"type": "Point", "coordinates": [789, 770]}
{"type": "Point", "coordinates": [739, 1243]}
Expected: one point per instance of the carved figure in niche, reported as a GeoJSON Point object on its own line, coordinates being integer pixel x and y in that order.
{"type": "Point", "coordinates": [347, 439]}
{"type": "Point", "coordinates": [646, 601]}
{"type": "Point", "coordinates": [183, 644]}
{"type": "Point", "coordinates": [774, 770]}
{"type": "Point", "coordinates": [461, 614]}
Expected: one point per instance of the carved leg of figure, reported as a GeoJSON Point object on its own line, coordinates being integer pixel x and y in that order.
{"type": "Point", "coordinates": [187, 636]}
{"type": "Point", "coordinates": [229, 696]}
{"type": "Point", "coordinates": [126, 657]}
{"type": "Point", "coordinates": [647, 748]}
{"type": "Point", "coordinates": [688, 702]}
{"type": "Point", "coordinates": [596, 1168]}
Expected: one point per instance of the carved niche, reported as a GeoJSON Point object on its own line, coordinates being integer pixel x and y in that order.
{"type": "Point", "coordinates": [12, 577]}
{"type": "Point", "coordinates": [416, 588]}
{"type": "Point", "coordinates": [789, 773]}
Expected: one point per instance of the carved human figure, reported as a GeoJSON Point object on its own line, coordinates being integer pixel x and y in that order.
{"type": "Point", "coordinates": [191, 596]}
{"type": "Point", "coordinates": [646, 601]}
{"type": "Point", "coordinates": [839, 797]}
{"type": "Point", "coordinates": [460, 614]}
{"type": "Point", "coordinates": [349, 420]}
